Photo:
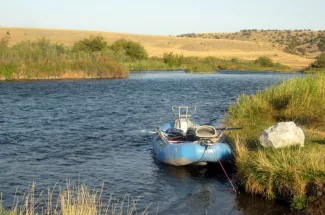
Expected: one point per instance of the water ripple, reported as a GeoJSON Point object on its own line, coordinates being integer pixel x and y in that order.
{"type": "Point", "coordinates": [99, 131]}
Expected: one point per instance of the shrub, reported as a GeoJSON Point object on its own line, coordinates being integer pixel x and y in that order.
{"type": "Point", "coordinates": [4, 43]}
{"type": "Point", "coordinates": [320, 62]}
{"type": "Point", "coordinates": [264, 61]}
{"type": "Point", "coordinates": [91, 44]}
{"type": "Point", "coordinates": [133, 49]}
{"type": "Point", "coordinates": [291, 48]}
{"type": "Point", "coordinates": [173, 59]}
{"type": "Point", "coordinates": [321, 44]}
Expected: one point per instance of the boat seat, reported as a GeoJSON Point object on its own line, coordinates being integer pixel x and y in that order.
{"type": "Point", "coordinates": [183, 124]}
{"type": "Point", "coordinates": [206, 132]}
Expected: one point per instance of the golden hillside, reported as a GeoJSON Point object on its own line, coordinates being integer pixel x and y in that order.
{"type": "Point", "coordinates": [158, 45]}
{"type": "Point", "coordinates": [305, 42]}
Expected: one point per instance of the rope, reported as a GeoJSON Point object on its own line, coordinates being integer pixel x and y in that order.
{"type": "Point", "coordinates": [233, 188]}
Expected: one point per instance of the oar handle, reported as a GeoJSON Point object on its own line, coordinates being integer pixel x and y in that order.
{"type": "Point", "coordinates": [227, 129]}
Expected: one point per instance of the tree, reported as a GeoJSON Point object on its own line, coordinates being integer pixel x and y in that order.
{"type": "Point", "coordinates": [320, 61]}
{"type": "Point", "coordinates": [133, 49]}
{"type": "Point", "coordinates": [4, 42]}
{"type": "Point", "coordinates": [321, 43]}
{"type": "Point", "coordinates": [264, 61]}
{"type": "Point", "coordinates": [91, 44]}
{"type": "Point", "coordinates": [173, 59]}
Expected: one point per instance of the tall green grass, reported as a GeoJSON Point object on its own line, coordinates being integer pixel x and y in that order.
{"type": "Point", "coordinates": [197, 65]}
{"type": "Point", "coordinates": [45, 60]}
{"type": "Point", "coordinates": [301, 100]}
{"type": "Point", "coordinates": [281, 172]}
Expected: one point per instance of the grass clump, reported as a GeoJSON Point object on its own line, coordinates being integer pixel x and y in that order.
{"type": "Point", "coordinates": [281, 172]}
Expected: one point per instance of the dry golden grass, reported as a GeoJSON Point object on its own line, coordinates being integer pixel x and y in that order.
{"type": "Point", "coordinates": [158, 45]}
{"type": "Point", "coordinates": [71, 200]}
{"type": "Point", "coordinates": [278, 39]}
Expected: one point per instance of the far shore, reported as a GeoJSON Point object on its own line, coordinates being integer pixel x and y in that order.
{"type": "Point", "coordinates": [157, 45]}
{"type": "Point", "coordinates": [93, 58]}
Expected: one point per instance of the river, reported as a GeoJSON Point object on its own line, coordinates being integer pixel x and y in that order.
{"type": "Point", "coordinates": [99, 131]}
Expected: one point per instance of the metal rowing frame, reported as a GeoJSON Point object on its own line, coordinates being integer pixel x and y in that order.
{"type": "Point", "coordinates": [187, 110]}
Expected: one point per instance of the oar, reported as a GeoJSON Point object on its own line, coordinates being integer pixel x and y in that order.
{"type": "Point", "coordinates": [228, 129]}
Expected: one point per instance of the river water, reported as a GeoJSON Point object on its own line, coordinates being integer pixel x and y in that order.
{"type": "Point", "coordinates": [99, 131]}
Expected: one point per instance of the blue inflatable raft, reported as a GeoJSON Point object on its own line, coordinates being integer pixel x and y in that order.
{"type": "Point", "coordinates": [183, 142]}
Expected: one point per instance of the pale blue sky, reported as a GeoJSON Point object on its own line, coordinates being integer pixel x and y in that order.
{"type": "Point", "coordinates": [168, 17]}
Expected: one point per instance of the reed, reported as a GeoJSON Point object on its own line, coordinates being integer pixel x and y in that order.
{"type": "Point", "coordinates": [289, 171]}
{"type": "Point", "coordinates": [145, 65]}
{"type": "Point", "coordinates": [71, 200]}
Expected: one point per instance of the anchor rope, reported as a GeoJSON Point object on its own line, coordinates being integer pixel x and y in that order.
{"type": "Point", "coordinates": [233, 187]}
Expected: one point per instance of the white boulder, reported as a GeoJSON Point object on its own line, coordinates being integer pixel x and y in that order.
{"type": "Point", "coordinates": [282, 135]}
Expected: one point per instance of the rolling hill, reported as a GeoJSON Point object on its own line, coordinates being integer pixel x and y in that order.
{"type": "Point", "coordinates": [305, 43]}
{"type": "Point", "coordinates": [156, 45]}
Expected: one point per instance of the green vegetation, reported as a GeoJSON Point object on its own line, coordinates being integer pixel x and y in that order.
{"type": "Point", "coordinates": [71, 200]}
{"type": "Point", "coordinates": [281, 172]}
{"type": "Point", "coordinates": [320, 62]}
{"type": "Point", "coordinates": [264, 62]}
{"type": "Point", "coordinates": [45, 60]}
{"type": "Point", "coordinates": [318, 66]}
{"type": "Point", "coordinates": [91, 44]}
{"type": "Point", "coordinates": [132, 49]}
{"type": "Point", "coordinates": [93, 58]}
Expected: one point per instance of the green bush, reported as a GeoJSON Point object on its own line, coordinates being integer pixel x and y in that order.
{"type": "Point", "coordinates": [133, 49]}
{"type": "Point", "coordinates": [4, 43]}
{"type": "Point", "coordinates": [320, 62]}
{"type": "Point", "coordinates": [264, 61]}
{"type": "Point", "coordinates": [91, 44]}
{"type": "Point", "coordinates": [321, 45]}
{"type": "Point", "coordinates": [173, 59]}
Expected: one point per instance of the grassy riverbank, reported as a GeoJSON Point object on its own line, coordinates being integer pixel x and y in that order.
{"type": "Point", "coordinates": [93, 58]}
{"type": "Point", "coordinates": [70, 200]}
{"type": "Point", "coordinates": [294, 173]}
{"type": "Point", "coordinates": [207, 64]}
